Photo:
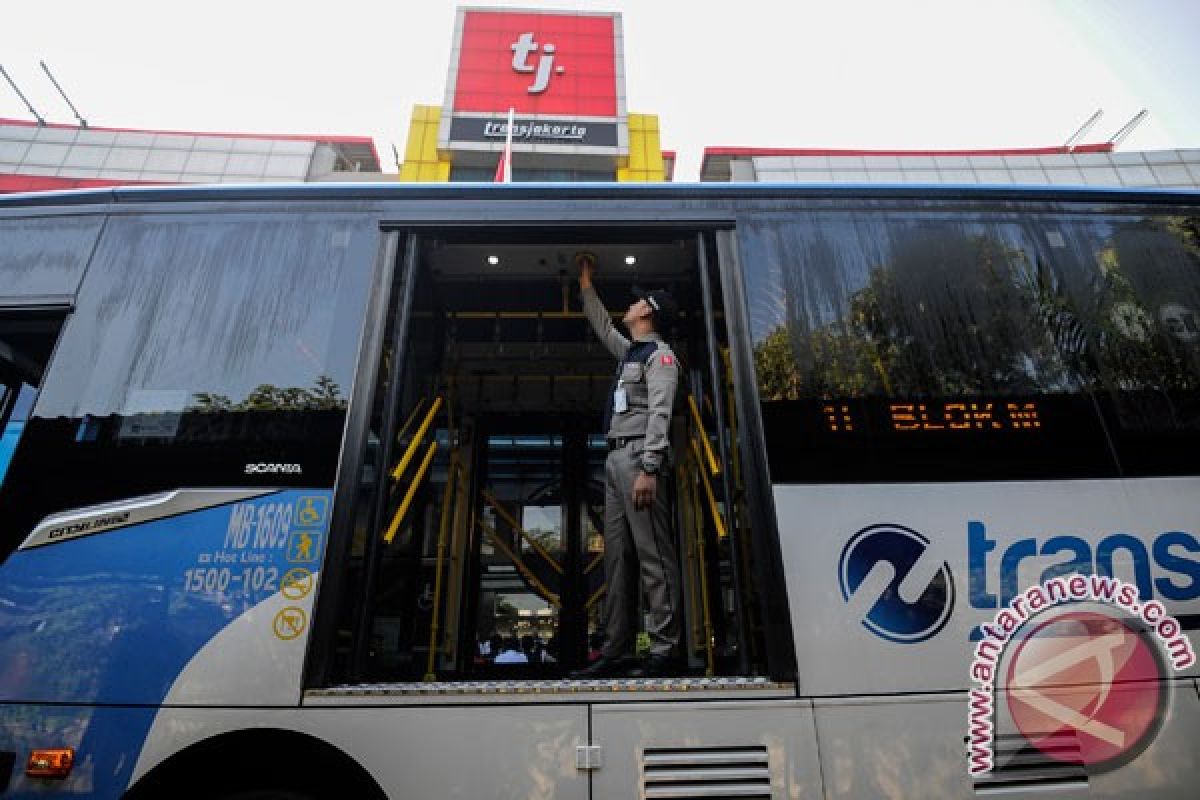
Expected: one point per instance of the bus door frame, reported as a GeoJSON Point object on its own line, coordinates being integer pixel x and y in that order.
{"type": "Point", "coordinates": [764, 540]}
{"type": "Point", "coordinates": [322, 643]}
{"type": "Point", "coordinates": [774, 607]}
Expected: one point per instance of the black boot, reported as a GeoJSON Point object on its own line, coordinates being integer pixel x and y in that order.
{"type": "Point", "coordinates": [603, 667]}
{"type": "Point", "coordinates": [658, 665]}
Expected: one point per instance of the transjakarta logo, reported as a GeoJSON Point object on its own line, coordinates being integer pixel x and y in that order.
{"type": "Point", "coordinates": [1166, 565]}
{"type": "Point", "coordinates": [522, 47]}
{"type": "Point", "coordinates": [900, 592]}
{"type": "Point", "coordinates": [556, 65]}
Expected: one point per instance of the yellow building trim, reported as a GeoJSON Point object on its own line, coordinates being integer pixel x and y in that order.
{"type": "Point", "coordinates": [422, 162]}
{"type": "Point", "coordinates": [645, 161]}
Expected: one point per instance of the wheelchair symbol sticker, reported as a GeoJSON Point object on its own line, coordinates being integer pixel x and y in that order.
{"type": "Point", "coordinates": [303, 547]}
{"type": "Point", "coordinates": [311, 510]}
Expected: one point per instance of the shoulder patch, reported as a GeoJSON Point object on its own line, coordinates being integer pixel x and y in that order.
{"type": "Point", "coordinates": [668, 360]}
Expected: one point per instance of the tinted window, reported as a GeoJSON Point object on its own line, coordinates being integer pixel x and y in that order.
{"type": "Point", "coordinates": [963, 345]}
{"type": "Point", "coordinates": [200, 348]}
{"type": "Point", "coordinates": [26, 341]}
{"type": "Point", "coordinates": [44, 256]}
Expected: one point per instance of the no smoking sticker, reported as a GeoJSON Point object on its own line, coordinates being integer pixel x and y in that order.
{"type": "Point", "coordinates": [290, 622]}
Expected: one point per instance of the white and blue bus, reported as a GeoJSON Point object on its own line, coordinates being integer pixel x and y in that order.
{"type": "Point", "coordinates": [301, 492]}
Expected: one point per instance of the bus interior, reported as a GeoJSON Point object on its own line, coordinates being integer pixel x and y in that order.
{"type": "Point", "coordinates": [477, 551]}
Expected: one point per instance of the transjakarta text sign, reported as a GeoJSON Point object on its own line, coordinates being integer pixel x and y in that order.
{"type": "Point", "coordinates": [559, 71]}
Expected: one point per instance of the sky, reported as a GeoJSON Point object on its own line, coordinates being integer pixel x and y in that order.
{"type": "Point", "coordinates": [788, 73]}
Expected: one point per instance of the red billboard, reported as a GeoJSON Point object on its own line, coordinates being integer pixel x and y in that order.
{"type": "Point", "coordinates": [549, 64]}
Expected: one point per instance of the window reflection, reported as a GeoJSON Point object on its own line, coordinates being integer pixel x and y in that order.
{"type": "Point", "coordinates": [1092, 316]}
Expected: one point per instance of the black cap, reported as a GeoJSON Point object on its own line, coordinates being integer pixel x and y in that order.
{"type": "Point", "coordinates": [666, 310]}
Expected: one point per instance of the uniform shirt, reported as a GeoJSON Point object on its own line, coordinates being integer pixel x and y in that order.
{"type": "Point", "coordinates": [649, 380]}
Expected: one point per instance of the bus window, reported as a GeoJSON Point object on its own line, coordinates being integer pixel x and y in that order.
{"type": "Point", "coordinates": [209, 350]}
{"type": "Point", "coordinates": [927, 345]}
{"type": "Point", "coordinates": [45, 258]}
{"type": "Point", "coordinates": [26, 341]}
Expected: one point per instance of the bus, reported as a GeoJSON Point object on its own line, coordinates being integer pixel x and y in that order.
{"type": "Point", "coordinates": [301, 492]}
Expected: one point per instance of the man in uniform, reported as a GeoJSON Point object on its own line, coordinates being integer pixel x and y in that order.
{"type": "Point", "coordinates": [639, 546]}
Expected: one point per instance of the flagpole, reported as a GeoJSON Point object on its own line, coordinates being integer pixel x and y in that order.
{"type": "Point", "coordinates": [508, 145]}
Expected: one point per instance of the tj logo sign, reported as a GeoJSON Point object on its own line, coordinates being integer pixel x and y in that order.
{"type": "Point", "coordinates": [522, 47]}
{"type": "Point", "coordinates": [892, 582]}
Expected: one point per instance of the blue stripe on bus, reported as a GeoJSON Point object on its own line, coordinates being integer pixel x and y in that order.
{"type": "Point", "coordinates": [113, 618]}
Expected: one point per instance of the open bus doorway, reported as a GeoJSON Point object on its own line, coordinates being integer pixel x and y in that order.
{"type": "Point", "coordinates": [479, 548]}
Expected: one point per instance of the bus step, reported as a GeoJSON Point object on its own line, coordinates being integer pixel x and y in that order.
{"type": "Point", "coordinates": [555, 687]}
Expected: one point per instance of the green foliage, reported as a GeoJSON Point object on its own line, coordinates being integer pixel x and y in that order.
{"type": "Point", "coordinates": [959, 314]}
{"type": "Point", "coordinates": [325, 395]}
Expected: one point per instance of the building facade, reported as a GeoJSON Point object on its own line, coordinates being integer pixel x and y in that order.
{"type": "Point", "coordinates": [1083, 165]}
{"type": "Point", "coordinates": [40, 157]}
{"type": "Point", "coordinates": [561, 76]}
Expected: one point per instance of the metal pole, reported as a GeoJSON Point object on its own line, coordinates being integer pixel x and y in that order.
{"type": "Point", "coordinates": [41, 122]}
{"type": "Point", "coordinates": [734, 535]}
{"type": "Point", "coordinates": [50, 75]}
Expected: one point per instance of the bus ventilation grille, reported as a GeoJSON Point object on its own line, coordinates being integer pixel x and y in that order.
{"type": "Point", "coordinates": [1057, 763]}
{"type": "Point", "coordinates": [733, 773]}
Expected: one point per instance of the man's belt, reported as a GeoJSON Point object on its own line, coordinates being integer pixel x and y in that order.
{"type": "Point", "coordinates": [618, 442]}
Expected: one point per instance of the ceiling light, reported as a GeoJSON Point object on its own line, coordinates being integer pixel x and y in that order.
{"type": "Point", "coordinates": [630, 260]}
{"type": "Point", "coordinates": [493, 260]}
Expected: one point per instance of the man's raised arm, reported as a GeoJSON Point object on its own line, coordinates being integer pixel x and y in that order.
{"type": "Point", "coordinates": [595, 311]}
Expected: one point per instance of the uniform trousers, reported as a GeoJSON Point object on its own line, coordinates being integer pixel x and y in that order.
{"type": "Point", "coordinates": [639, 557]}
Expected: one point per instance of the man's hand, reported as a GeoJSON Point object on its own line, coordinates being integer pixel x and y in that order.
{"type": "Point", "coordinates": [644, 488]}
{"type": "Point", "coordinates": [586, 262]}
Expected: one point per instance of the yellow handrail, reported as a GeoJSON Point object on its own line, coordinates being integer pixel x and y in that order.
{"type": "Point", "coordinates": [520, 564]}
{"type": "Point", "coordinates": [412, 415]}
{"type": "Point", "coordinates": [410, 494]}
{"type": "Point", "coordinates": [698, 515]}
{"type": "Point", "coordinates": [708, 490]}
{"type": "Point", "coordinates": [443, 528]}
{"type": "Point", "coordinates": [596, 595]}
{"type": "Point", "coordinates": [416, 440]}
{"type": "Point", "coordinates": [683, 481]}
{"type": "Point", "coordinates": [712, 459]}
{"type": "Point", "coordinates": [593, 563]}
{"type": "Point", "coordinates": [491, 500]}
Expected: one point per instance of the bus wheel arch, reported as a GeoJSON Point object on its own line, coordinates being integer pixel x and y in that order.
{"type": "Point", "coordinates": [257, 762]}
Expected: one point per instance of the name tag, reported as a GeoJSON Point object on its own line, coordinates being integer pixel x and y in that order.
{"type": "Point", "coordinates": [620, 400]}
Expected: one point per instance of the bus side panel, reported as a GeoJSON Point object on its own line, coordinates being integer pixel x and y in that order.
{"type": "Point", "coordinates": [864, 562]}
{"type": "Point", "coordinates": [480, 751]}
{"type": "Point", "coordinates": [106, 742]}
{"type": "Point", "coordinates": [208, 607]}
{"type": "Point", "coordinates": [993, 539]}
{"type": "Point", "coordinates": [745, 748]}
{"type": "Point", "coordinates": [883, 747]}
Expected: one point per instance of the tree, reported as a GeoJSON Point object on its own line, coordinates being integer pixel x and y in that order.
{"type": "Point", "coordinates": [326, 395]}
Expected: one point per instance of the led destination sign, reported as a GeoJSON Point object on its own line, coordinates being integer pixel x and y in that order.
{"type": "Point", "coordinates": [956, 416]}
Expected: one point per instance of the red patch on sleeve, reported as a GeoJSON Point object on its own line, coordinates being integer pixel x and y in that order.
{"type": "Point", "coordinates": [668, 361]}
